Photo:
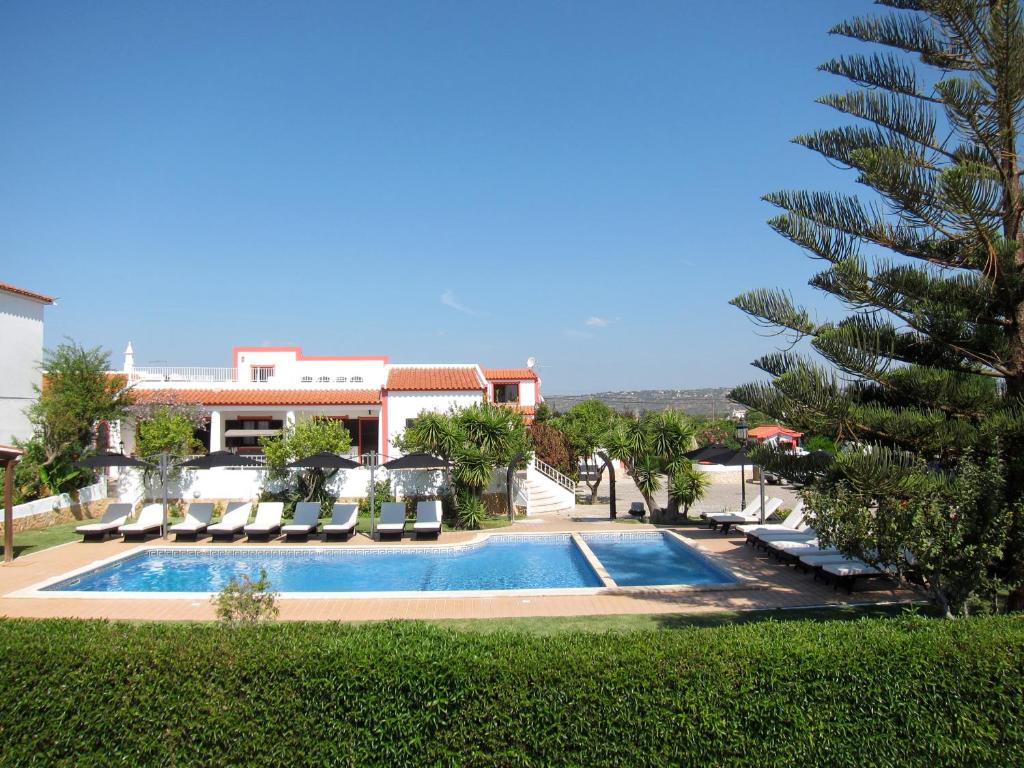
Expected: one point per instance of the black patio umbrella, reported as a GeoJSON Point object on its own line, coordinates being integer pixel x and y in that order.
{"type": "Point", "coordinates": [104, 460]}
{"type": "Point", "coordinates": [416, 461]}
{"type": "Point", "coordinates": [709, 454]}
{"type": "Point", "coordinates": [219, 459]}
{"type": "Point", "coordinates": [324, 460]}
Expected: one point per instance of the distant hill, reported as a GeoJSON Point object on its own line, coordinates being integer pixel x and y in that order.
{"type": "Point", "coordinates": [712, 401]}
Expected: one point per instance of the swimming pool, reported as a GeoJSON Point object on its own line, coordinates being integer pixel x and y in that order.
{"type": "Point", "coordinates": [497, 562]}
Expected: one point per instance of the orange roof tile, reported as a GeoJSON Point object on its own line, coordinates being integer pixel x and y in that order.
{"type": "Point", "coordinates": [259, 396]}
{"type": "Point", "coordinates": [503, 374]}
{"type": "Point", "coordinates": [772, 429]}
{"type": "Point", "coordinates": [26, 293]}
{"type": "Point", "coordinates": [447, 378]}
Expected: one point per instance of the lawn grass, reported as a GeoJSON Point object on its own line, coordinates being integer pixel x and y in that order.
{"type": "Point", "coordinates": [27, 542]}
{"type": "Point", "coordinates": [641, 622]}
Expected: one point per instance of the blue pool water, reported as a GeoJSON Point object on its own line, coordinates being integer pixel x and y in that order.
{"type": "Point", "coordinates": [651, 558]}
{"type": "Point", "coordinates": [499, 562]}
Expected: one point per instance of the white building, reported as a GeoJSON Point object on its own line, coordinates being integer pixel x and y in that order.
{"type": "Point", "coordinates": [21, 352]}
{"type": "Point", "coordinates": [267, 388]}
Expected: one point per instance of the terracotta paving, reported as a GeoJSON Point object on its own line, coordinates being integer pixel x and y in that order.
{"type": "Point", "coordinates": [773, 586]}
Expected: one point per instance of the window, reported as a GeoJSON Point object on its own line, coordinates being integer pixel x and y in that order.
{"type": "Point", "coordinates": [324, 380]}
{"type": "Point", "coordinates": [357, 379]}
{"type": "Point", "coordinates": [307, 379]}
{"type": "Point", "coordinates": [261, 374]}
{"type": "Point", "coordinates": [506, 393]}
{"type": "Point", "coordinates": [340, 379]}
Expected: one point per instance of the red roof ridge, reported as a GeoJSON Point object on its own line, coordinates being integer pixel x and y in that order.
{"type": "Point", "coordinates": [256, 396]}
{"type": "Point", "coordinates": [27, 293]}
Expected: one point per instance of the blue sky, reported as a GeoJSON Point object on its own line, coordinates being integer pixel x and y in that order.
{"type": "Point", "coordinates": [434, 181]}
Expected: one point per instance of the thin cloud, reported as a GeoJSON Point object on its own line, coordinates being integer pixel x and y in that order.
{"type": "Point", "coordinates": [449, 300]}
{"type": "Point", "coordinates": [596, 322]}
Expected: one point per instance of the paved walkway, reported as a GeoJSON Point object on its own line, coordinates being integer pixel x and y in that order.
{"type": "Point", "coordinates": [772, 586]}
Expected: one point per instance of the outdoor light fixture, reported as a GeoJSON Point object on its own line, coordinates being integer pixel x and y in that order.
{"type": "Point", "coordinates": [741, 435]}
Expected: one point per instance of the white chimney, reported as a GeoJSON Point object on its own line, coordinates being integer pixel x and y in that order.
{"type": "Point", "coordinates": [129, 359]}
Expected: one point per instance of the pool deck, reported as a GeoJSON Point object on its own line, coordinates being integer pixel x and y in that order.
{"type": "Point", "coordinates": [770, 586]}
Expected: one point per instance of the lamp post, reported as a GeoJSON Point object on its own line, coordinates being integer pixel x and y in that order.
{"type": "Point", "coordinates": [741, 435]}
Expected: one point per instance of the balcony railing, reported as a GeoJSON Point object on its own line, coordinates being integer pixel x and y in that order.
{"type": "Point", "coordinates": [183, 373]}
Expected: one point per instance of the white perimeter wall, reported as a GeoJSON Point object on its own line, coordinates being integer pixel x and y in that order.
{"type": "Point", "coordinates": [21, 351]}
{"type": "Point", "coordinates": [409, 405]}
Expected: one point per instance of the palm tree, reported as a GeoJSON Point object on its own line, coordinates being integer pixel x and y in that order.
{"type": "Point", "coordinates": [687, 487]}
{"type": "Point", "coordinates": [671, 436]}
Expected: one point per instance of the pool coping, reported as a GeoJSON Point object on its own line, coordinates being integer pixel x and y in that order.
{"type": "Point", "coordinates": [38, 590]}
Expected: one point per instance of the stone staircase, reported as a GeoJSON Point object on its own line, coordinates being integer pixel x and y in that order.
{"type": "Point", "coordinates": [547, 490]}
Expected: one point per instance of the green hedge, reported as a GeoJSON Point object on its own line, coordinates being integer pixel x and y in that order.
{"type": "Point", "coordinates": [873, 693]}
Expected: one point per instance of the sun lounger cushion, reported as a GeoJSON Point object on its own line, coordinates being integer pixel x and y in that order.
{"type": "Point", "coordinates": [306, 518]}
{"type": "Point", "coordinates": [392, 517]}
{"type": "Point", "coordinates": [268, 517]}
{"type": "Point", "coordinates": [196, 519]}
{"type": "Point", "coordinates": [428, 516]}
{"type": "Point", "coordinates": [850, 568]}
{"type": "Point", "coordinates": [113, 518]}
{"type": "Point", "coordinates": [752, 514]}
{"type": "Point", "coordinates": [151, 517]}
{"type": "Point", "coordinates": [234, 519]}
{"type": "Point", "coordinates": [343, 518]}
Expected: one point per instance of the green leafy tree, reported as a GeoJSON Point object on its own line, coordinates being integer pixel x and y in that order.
{"type": "Point", "coordinates": [926, 367]}
{"type": "Point", "coordinates": [476, 440]}
{"type": "Point", "coordinates": [169, 427]}
{"type": "Point", "coordinates": [77, 393]}
{"type": "Point", "coordinates": [304, 438]}
{"type": "Point", "coordinates": [587, 426]}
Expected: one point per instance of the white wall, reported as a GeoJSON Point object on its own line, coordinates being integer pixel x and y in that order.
{"type": "Point", "coordinates": [21, 351]}
{"type": "Point", "coordinates": [289, 370]}
{"type": "Point", "coordinates": [89, 493]}
{"type": "Point", "coordinates": [408, 405]}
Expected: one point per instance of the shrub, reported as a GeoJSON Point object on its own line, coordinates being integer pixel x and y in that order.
{"type": "Point", "coordinates": [471, 511]}
{"type": "Point", "coordinates": [870, 692]}
{"type": "Point", "coordinates": [244, 601]}
{"type": "Point", "coordinates": [382, 492]}
{"type": "Point", "coordinates": [552, 447]}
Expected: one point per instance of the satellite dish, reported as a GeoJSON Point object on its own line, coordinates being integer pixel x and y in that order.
{"type": "Point", "coordinates": [531, 363]}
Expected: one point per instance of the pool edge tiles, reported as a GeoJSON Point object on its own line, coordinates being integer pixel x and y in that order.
{"type": "Point", "coordinates": [719, 576]}
{"type": "Point", "coordinates": [570, 574]}
{"type": "Point", "coordinates": [45, 588]}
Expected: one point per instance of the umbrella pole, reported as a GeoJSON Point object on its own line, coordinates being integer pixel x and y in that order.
{"type": "Point", "coordinates": [163, 479]}
{"type": "Point", "coordinates": [743, 489]}
{"type": "Point", "coordinates": [761, 475]}
{"type": "Point", "coordinates": [373, 491]}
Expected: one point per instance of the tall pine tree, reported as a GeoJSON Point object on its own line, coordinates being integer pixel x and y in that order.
{"type": "Point", "coordinates": [923, 376]}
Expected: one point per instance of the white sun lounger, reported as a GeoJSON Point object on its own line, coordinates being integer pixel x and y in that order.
{"type": "Point", "coordinates": [149, 521]}
{"type": "Point", "coordinates": [113, 518]}
{"type": "Point", "coordinates": [267, 522]}
{"type": "Point", "coordinates": [847, 572]}
{"type": "Point", "coordinates": [794, 522]}
{"type": "Point", "coordinates": [392, 519]}
{"type": "Point", "coordinates": [343, 522]}
{"type": "Point", "coordinates": [804, 535]}
{"type": "Point", "coordinates": [428, 519]}
{"type": "Point", "coordinates": [231, 522]}
{"type": "Point", "coordinates": [791, 551]}
{"type": "Point", "coordinates": [304, 522]}
{"type": "Point", "coordinates": [750, 516]}
{"type": "Point", "coordinates": [196, 521]}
